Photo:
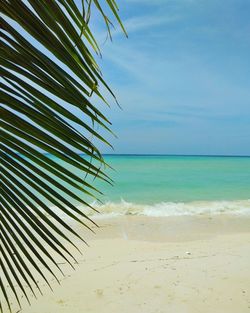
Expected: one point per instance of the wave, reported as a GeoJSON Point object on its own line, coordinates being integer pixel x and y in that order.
{"type": "Point", "coordinates": [165, 209]}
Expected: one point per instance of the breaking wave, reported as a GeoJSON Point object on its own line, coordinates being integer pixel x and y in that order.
{"type": "Point", "coordinates": [164, 209]}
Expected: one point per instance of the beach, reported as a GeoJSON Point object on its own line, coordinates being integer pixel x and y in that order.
{"type": "Point", "coordinates": [173, 237]}
{"type": "Point", "coordinates": [145, 264]}
{"type": "Point", "coordinates": [125, 167]}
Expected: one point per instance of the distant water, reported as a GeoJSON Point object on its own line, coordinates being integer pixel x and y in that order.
{"type": "Point", "coordinates": [176, 185]}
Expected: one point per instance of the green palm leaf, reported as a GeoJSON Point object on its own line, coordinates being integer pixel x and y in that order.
{"type": "Point", "coordinates": [47, 69]}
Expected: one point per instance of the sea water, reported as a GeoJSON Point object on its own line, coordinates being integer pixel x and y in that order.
{"type": "Point", "coordinates": [158, 185]}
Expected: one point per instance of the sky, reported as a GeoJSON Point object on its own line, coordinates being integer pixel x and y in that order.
{"type": "Point", "coordinates": [182, 77]}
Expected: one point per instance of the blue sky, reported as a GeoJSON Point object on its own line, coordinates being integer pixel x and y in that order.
{"type": "Point", "coordinates": [182, 77]}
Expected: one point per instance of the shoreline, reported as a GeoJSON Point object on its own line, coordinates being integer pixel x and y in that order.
{"type": "Point", "coordinates": [194, 208]}
{"type": "Point", "coordinates": [143, 264]}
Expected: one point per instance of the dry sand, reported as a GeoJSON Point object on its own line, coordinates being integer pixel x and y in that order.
{"type": "Point", "coordinates": [157, 265]}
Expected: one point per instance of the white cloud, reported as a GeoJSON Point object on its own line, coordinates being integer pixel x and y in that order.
{"type": "Point", "coordinates": [138, 23]}
{"type": "Point", "coordinates": [135, 24]}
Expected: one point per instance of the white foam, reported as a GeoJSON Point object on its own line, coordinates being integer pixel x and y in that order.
{"type": "Point", "coordinates": [112, 209]}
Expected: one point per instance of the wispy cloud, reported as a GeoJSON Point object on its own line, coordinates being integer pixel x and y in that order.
{"type": "Point", "coordinates": [140, 23]}
{"type": "Point", "coordinates": [182, 77]}
{"type": "Point", "coordinates": [143, 22]}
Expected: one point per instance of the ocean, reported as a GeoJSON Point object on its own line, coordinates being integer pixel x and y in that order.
{"type": "Point", "coordinates": [159, 185]}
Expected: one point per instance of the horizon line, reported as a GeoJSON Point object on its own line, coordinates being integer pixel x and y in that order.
{"type": "Point", "coordinates": [166, 154]}
{"type": "Point", "coordinates": [170, 154]}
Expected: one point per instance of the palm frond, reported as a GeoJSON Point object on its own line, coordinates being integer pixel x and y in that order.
{"type": "Point", "coordinates": [48, 73]}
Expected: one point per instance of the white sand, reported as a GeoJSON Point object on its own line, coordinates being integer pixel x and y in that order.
{"type": "Point", "coordinates": [157, 265]}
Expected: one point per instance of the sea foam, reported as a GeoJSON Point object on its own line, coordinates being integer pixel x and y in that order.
{"type": "Point", "coordinates": [164, 209]}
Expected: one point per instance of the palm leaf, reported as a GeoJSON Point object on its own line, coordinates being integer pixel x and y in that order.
{"type": "Point", "coordinates": [47, 68]}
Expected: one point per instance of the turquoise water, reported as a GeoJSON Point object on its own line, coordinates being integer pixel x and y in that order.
{"type": "Point", "coordinates": [175, 185]}
{"type": "Point", "coordinates": [152, 179]}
